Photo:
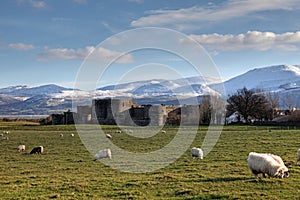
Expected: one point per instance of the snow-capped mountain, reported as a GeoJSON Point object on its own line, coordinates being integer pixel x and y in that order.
{"type": "Point", "coordinates": [25, 100]}
{"type": "Point", "coordinates": [273, 78]}
{"type": "Point", "coordinates": [47, 99]}
{"type": "Point", "coordinates": [282, 80]}
{"type": "Point", "coordinates": [27, 91]}
{"type": "Point", "coordinates": [188, 86]}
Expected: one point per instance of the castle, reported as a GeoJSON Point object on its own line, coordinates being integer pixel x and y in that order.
{"type": "Point", "coordinates": [109, 111]}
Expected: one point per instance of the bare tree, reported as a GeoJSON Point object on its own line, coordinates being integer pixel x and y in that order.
{"type": "Point", "coordinates": [273, 99]}
{"type": "Point", "coordinates": [288, 101]}
{"type": "Point", "coordinates": [248, 104]}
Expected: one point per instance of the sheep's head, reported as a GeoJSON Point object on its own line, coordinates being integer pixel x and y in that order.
{"type": "Point", "coordinates": [282, 173]}
{"type": "Point", "coordinates": [286, 174]}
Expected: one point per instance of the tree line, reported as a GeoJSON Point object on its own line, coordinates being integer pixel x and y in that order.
{"type": "Point", "coordinates": [249, 105]}
{"type": "Point", "coordinates": [255, 105]}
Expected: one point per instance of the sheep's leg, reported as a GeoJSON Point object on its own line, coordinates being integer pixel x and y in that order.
{"type": "Point", "coordinates": [255, 173]}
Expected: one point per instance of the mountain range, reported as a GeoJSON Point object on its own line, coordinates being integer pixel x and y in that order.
{"type": "Point", "coordinates": [283, 80]}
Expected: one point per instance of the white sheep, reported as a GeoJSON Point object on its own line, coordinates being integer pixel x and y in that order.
{"type": "Point", "coordinates": [108, 135]}
{"type": "Point", "coordinates": [298, 156]}
{"type": "Point", "coordinates": [72, 134]}
{"type": "Point", "coordinates": [118, 131]}
{"type": "Point", "coordinates": [197, 152]}
{"type": "Point", "coordinates": [105, 153]}
{"type": "Point", "coordinates": [21, 148]}
{"type": "Point", "coordinates": [163, 131]}
{"type": "Point", "coordinates": [266, 164]}
{"type": "Point", "coordinates": [279, 160]}
{"type": "Point", "coordinates": [61, 135]}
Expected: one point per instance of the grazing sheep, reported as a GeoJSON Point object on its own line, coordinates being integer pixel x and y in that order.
{"type": "Point", "coordinates": [6, 132]}
{"type": "Point", "coordinates": [108, 135]}
{"type": "Point", "coordinates": [5, 138]}
{"type": "Point", "coordinates": [38, 150]}
{"type": "Point", "coordinates": [61, 135]}
{"type": "Point", "coordinates": [280, 161]}
{"type": "Point", "coordinates": [298, 156]}
{"type": "Point", "coordinates": [1, 134]}
{"type": "Point", "coordinates": [105, 153]}
{"type": "Point", "coordinates": [118, 131]}
{"type": "Point", "coordinates": [72, 134]}
{"type": "Point", "coordinates": [21, 148]}
{"type": "Point", "coordinates": [197, 152]}
{"type": "Point", "coordinates": [266, 164]}
{"type": "Point", "coordinates": [163, 131]}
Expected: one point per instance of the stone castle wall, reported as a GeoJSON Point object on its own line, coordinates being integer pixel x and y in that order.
{"type": "Point", "coordinates": [125, 112]}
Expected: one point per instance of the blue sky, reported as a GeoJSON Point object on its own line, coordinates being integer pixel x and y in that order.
{"type": "Point", "coordinates": [44, 41]}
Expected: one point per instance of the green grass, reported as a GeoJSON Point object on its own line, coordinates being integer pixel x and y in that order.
{"type": "Point", "coordinates": [66, 170]}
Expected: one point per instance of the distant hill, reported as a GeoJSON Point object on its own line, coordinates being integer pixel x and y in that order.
{"type": "Point", "coordinates": [273, 78]}
{"type": "Point", "coordinates": [283, 80]}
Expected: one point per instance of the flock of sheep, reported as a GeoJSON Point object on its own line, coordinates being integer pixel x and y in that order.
{"type": "Point", "coordinates": [22, 147]}
{"type": "Point", "coordinates": [258, 163]}
{"type": "Point", "coordinates": [4, 135]}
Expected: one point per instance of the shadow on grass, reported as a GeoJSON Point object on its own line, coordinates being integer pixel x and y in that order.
{"type": "Point", "coordinates": [228, 179]}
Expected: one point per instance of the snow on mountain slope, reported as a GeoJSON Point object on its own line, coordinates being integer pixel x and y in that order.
{"type": "Point", "coordinates": [26, 91]}
{"type": "Point", "coordinates": [12, 89]}
{"type": "Point", "coordinates": [5, 99]}
{"type": "Point", "coordinates": [159, 87]}
{"type": "Point", "coordinates": [267, 79]}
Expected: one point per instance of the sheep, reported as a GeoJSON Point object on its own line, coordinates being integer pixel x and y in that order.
{"type": "Point", "coordinates": [72, 134]}
{"type": "Point", "coordinates": [38, 150]}
{"type": "Point", "coordinates": [163, 131]}
{"type": "Point", "coordinates": [108, 135]}
{"type": "Point", "coordinates": [280, 162]}
{"type": "Point", "coordinates": [61, 135]}
{"type": "Point", "coordinates": [266, 164]}
{"type": "Point", "coordinates": [6, 132]}
{"type": "Point", "coordinates": [105, 153]}
{"type": "Point", "coordinates": [1, 134]}
{"type": "Point", "coordinates": [21, 148]}
{"type": "Point", "coordinates": [5, 138]}
{"type": "Point", "coordinates": [298, 156]}
{"type": "Point", "coordinates": [118, 131]}
{"type": "Point", "coordinates": [197, 152]}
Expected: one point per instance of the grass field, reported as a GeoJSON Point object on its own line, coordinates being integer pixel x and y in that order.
{"type": "Point", "coordinates": [66, 170]}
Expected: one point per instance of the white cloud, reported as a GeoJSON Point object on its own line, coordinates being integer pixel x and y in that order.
{"type": "Point", "coordinates": [37, 4]}
{"type": "Point", "coordinates": [229, 10]}
{"type": "Point", "coordinates": [33, 3]}
{"type": "Point", "coordinates": [256, 40]}
{"type": "Point", "coordinates": [97, 54]}
{"type": "Point", "coordinates": [21, 46]}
